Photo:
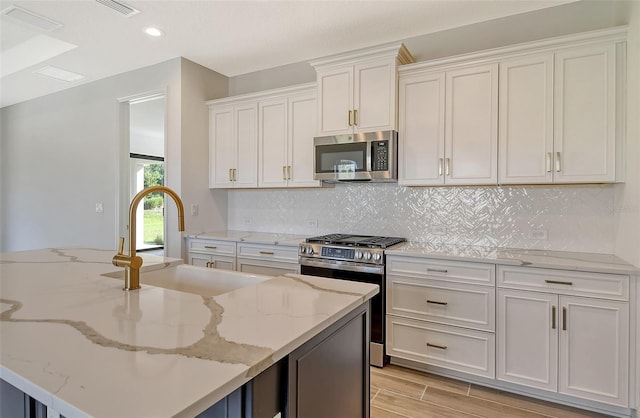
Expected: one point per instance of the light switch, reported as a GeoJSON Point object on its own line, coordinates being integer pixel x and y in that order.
{"type": "Point", "coordinates": [194, 209]}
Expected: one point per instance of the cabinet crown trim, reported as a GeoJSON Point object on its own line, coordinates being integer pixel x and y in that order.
{"type": "Point", "coordinates": [392, 50]}
{"type": "Point", "coordinates": [270, 94]}
{"type": "Point", "coordinates": [616, 34]}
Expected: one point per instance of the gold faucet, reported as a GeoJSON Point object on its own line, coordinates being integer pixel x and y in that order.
{"type": "Point", "coordinates": [132, 262]}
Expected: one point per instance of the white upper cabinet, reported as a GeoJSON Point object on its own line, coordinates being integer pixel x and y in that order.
{"type": "Point", "coordinates": [526, 119]}
{"type": "Point", "coordinates": [471, 126]}
{"type": "Point", "coordinates": [357, 92]}
{"type": "Point", "coordinates": [287, 126]}
{"type": "Point", "coordinates": [233, 145]}
{"type": "Point", "coordinates": [558, 116]}
{"type": "Point", "coordinates": [448, 126]}
{"type": "Point", "coordinates": [540, 113]}
{"type": "Point", "coordinates": [585, 114]}
{"type": "Point", "coordinates": [263, 139]}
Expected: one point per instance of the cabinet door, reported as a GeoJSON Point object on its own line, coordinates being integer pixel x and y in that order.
{"type": "Point", "coordinates": [335, 92]}
{"type": "Point", "coordinates": [302, 129]}
{"type": "Point", "coordinates": [222, 149]}
{"type": "Point", "coordinates": [246, 128]}
{"type": "Point", "coordinates": [201, 260]}
{"type": "Point", "coordinates": [594, 349]}
{"type": "Point", "coordinates": [527, 336]}
{"type": "Point", "coordinates": [584, 120]}
{"type": "Point", "coordinates": [375, 96]}
{"type": "Point", "coordinates": [272, 138]}
{"type": "Point", "coordinates": [471, 127]}
{"type": "Point", "coordinates": [421, 134]}
{"type": "Point", "coordinates": [526, 120]}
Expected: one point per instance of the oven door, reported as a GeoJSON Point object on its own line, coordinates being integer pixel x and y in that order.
{"type": "Point", "coordinates": [372, 274]}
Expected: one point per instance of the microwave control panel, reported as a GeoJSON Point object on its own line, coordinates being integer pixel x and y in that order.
{"type": "Point", "coordinates": [380, 155]}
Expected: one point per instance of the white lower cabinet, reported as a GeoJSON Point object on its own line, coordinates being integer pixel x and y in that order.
{"type": "Point", "coordinates": [551, 339]}
{"type": "Point", "coordinates": [271, 260]}
{"type": "Point", "coordinates": [442, 313]}
{"type": "Point", "coordinates": [212, 253]}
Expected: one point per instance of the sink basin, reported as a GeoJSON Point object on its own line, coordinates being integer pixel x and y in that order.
{"type": "Point", "coordinates": [193, 279]}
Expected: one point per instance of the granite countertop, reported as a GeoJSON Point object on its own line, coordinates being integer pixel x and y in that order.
{"type": "Point", "coordinates": [270, 238]}
{"type": "Point", "coordinates": [565, 260]}
{"type": "Point", "coordinates": [78, 343]}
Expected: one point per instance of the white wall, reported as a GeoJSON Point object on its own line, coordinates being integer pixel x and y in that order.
{"type": "Point", "coordinates": [60, 157]}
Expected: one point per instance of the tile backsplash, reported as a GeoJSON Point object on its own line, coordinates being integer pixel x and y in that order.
{"type": "Point", "coordinates": [567, 217]}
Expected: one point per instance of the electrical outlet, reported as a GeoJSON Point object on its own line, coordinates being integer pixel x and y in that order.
{"type": "Point", "coordinates": [246, 221]}
{"type": "Point", "coordinates": [438, 230]}
{"type": "Point", "coordinates": [194, 209]}
{"type": "Point", "coordinates": [539, 234]}
{"type": "Point", "coordinates": [312, 223]}
{"type": "Point", "coordinates": [99, 208]}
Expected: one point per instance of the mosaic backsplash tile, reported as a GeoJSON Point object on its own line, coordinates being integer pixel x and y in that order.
{"type": "Point", "coordinates": [573, 218]}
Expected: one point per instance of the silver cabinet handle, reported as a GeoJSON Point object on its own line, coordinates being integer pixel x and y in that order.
{"type": "Point", "coordinates": [447, 166]}
{"type": "Point", "coordinates": [548, 163]}
{"type": "Point", "coordinates": [441, 347]}
{"type": "Point", "coordinates": [288, 172]}
{"type": "Point", "coordinates": [564, 319]}
{"type": "Point", "coordinates": [559, 282]}
{"type": "Point", "coordinates": [435, 302]}
{"type": "Point", "coordinates": [553, 317]}
{"type": "Point", "coordinates": [234, 175]}
{"type": "Point", "coordinates": [558, 163]}
{"type": "Point", "coordinates": [266, 252]}
{"type": "Point", "coordinates": [437, 270]}
{"type": "Point", "coordinates": [440, 167]}
{"type": "Point", "coordinates": [231, 174]}
{"type": "Point", "coordinates": [284, 172]}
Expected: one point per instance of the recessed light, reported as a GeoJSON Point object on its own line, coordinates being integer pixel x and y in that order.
{"type": "Point", "coordinates": [152, 31]}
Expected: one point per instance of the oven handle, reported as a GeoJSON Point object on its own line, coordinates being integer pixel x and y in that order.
{"type": "Point", "coordinates": [341, 265]}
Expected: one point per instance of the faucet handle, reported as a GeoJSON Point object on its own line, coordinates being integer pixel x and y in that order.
{"type": "Point", "coordinates": [121, 246]}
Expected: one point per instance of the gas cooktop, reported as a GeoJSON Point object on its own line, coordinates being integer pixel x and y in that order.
{"type": "Point", "coordinates": [368, 241]}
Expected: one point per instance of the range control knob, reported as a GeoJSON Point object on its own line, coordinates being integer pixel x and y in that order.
{"type": "Point", "coordinates": [367, 255]}
{"type": "Point", "coordinates": [377, 257]}
{"type": "Point", "coordinates": [309, 250]}
{"type": "Point", "coordinates": [301, 249]}
{"type": "Point", "coordinates": [358, 255]}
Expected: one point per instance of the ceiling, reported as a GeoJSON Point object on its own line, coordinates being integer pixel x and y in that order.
{"type": "Point", "coordinates": [230, 37]}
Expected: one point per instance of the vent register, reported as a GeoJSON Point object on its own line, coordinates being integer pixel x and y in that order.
{"type": "Point", "coordinates": [119, 7]}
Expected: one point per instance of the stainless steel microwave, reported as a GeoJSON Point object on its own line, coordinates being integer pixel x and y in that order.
{"type": "Point", "coordinates": [371, 156]}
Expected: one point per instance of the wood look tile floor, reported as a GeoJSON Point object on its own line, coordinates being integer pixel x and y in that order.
{"type": "Point", "coordinates": [398, 392]}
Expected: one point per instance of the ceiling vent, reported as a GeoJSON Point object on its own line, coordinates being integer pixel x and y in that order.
{"type": "Point", "coordinates": [119, 7]}
{"type": "Point", "coordinates": [32, 19]}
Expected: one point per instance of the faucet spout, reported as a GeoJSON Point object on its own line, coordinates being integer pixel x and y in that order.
{"type": "Point", "coordinates": [132, 262]}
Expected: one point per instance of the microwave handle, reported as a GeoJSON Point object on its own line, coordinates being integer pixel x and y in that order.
{"type": "Point", "coordinates": [369, 156]}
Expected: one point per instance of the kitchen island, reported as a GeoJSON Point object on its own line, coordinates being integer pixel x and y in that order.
{"type": "Point", "coordinates": [73, 340]}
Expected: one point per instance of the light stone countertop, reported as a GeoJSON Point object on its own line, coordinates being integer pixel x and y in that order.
{"type": "Point", "coordinates": [270, 238]}
{"type": "Point", "coordinates": [565, 260]}
{"type": "Point", "coordinates": [78, 343]}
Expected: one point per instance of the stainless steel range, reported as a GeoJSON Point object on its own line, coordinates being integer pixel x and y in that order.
{"type": "Point", "coordinates": [358, 258]}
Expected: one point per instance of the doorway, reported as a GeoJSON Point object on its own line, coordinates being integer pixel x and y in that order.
{"type": "Point", "coordinates": [146, 162]}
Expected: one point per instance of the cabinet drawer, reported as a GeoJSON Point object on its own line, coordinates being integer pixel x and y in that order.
{"type": "Point", "coordinates": [268, 252]}
{"type": "Point", "coordinates": [212, 247]}
{"type": "Point", "coordinates": [459, 271]}
{"type": "Point", "coordinates": [564, 282]}
{"type": "Point", "coordinates": [454, 348]}
{"type": "Point", "coordinates": [439, 301]}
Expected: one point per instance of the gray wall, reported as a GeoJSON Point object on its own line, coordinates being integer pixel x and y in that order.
{"type": "Point", "coordinates": [60, 156]}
